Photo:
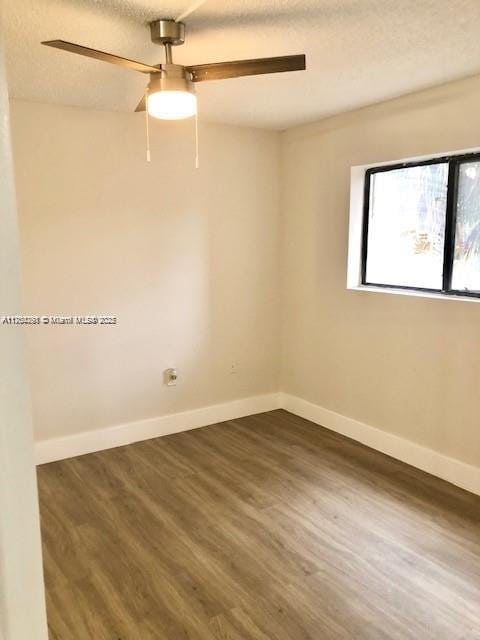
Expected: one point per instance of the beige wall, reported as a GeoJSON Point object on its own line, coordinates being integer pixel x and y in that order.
{"type": "Point", "coordinates": [22, 601]}
{"type": "Point", "coordinates": [187, 260]}
{"type": "Point", "coordinates": [407, 365]}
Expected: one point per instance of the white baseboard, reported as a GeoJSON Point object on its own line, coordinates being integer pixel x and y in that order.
{"type": "Point", "coordinates": [117, 436]}
{"type": "Point", "coordinates": [459, 473]}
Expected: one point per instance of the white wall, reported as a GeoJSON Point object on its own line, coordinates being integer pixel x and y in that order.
{"type": "Point", "coordinates": [409, 366]}
{"type": "Point", "coordinates": [22, 606]}
{"type": "Point", "coordinates": [187, 260]}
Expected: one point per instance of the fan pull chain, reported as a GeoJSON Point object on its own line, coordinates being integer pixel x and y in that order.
{"type": "Point", "coordinates": [197, 155]}
{"type": "Point", "coordinates": [147, 126]}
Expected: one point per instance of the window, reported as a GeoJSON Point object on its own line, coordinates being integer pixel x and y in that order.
{"type": "Point", "coordinates": [421, 226]}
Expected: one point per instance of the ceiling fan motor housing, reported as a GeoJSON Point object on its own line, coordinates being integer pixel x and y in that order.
{"type": "Point", "coordinates": [167, 32]}
{"type": "Point", "coordinates": [172, 77]}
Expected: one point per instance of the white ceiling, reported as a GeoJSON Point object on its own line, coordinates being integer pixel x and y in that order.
{"type": "Point", "coordinates": [358, 52]}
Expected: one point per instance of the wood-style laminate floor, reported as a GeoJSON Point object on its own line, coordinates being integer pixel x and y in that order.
{"type": "Point", "coordinates": [263, 528]}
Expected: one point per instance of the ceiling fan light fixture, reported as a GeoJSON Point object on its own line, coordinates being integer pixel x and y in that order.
{"type": "Point", "coordinates": [171, 94]}
{"type": "Point", "coordinates": [172, 105]}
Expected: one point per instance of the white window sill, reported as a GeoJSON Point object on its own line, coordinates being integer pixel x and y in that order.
{"type": "Point", "coordinates": [413, 293]}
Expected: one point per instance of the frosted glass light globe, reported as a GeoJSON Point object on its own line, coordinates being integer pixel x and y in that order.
{"type": "Point", "coordinates": [172, 105]}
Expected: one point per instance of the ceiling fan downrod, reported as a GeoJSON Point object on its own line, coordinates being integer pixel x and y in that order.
{"type": "Point", "coordinates": [169, 34]}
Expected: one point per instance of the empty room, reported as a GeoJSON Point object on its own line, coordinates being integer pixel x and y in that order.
{"type": "Point", "coordinates": [240, 320]}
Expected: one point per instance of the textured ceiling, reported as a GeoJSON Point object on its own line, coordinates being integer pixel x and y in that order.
{"type": "Point", "coordinates": [358, 52]}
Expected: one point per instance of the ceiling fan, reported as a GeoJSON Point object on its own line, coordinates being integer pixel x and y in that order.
{"type": "Point", "coordinates": [170, 94]}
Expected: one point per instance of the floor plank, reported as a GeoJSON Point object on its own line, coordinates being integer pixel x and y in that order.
{"type": "Point", "coordinates": [262, 528]}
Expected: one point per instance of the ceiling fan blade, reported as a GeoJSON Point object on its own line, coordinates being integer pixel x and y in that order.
{"type": "Point", "coordinates": [101, 55]}
{"type": "Point", "coordinates": [142, 105]}
{"type": "Point", "coordinates": [237, 68]}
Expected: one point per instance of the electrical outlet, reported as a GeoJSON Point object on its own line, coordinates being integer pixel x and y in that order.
{"type": "Point", "coordinates": [170, 377]}
{"type": "Point", "coordinates": [234, 366]}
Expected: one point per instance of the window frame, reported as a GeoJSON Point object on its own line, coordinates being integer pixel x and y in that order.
{"type": "Point", "coordinates": [454, 162]}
